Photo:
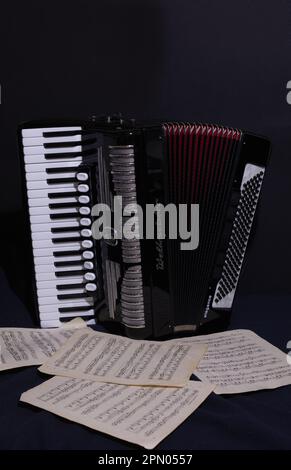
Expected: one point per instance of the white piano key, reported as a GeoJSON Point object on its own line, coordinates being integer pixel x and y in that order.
{"type": "Point", "coordinates": [40, 149]}
{"type": "Point", "coordinates": [47, 260]}
{"type": "Point", "coordinates": [39, 131]}
{"type": "Point", "coordinates": [37, 193]}
{"type": "Point", "coordinates": [47, 227]}
{"type": "Point", "coordinates": [32, 141]}
{"type": "Point", "coordinates": [57, 246]}
{"type": "Point", "coordinates": [58, 304]}
{"type": "Point", "coordinates": [50, 276]}
{"type": "Point", "coordinates": [48, 243]}
{"type": "Point", "coordinates": [42, 210]}
{"type": "Point", "coordinates": [52, 316]}
{"type": "Point", "coordinates": [55, 292]}
{"type": "Point", "coordinates": [45, 201]}
{"type": "Point", "coordinates": [80, 313]}
{"type": "Point", "coordinates": [46, 219]}
{"type": "Point", "coordinates": [51, 268]}
{"type": "Point", "coordinates": [42, 167]}
{"type": "Point", "coordinates": [52, 283]}
{"type": "Point", "coordinates": [73, 313]}
{"type": "Point", "coordinates": [51, 251]}
{"type": "Point", "coordinates": [30, 185]}
{"type": "Point", "coordinates": [44, 176]}
{"type": "Point", "coordinates": [41, 158]}
{"type": "Point", "coordinates": [49, 235]}
{"type": "Point", "coordinates": [53, 300]}
{"type": "Point", "coordinates": [56, 323]}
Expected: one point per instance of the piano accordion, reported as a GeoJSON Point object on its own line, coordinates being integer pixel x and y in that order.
{"type": "Point", "coordinates": [150, 286]}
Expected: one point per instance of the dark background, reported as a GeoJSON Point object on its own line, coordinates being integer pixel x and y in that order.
{"type": "Point", "coordinates": [221, 61]}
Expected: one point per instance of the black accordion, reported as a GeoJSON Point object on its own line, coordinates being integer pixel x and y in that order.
{"type": "Point", "coordinates": [150, 285]}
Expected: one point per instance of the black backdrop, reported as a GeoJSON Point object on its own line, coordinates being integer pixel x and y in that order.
{"type": "Point", "coordinates": [217, 61]}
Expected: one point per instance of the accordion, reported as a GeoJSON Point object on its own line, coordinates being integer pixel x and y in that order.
{"type": "Point", "coordinates": [153, 286]}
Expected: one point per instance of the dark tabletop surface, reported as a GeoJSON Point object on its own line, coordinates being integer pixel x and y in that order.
{"type": "Point", "coordinates": [256, 420]}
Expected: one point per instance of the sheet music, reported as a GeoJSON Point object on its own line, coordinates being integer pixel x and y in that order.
{"type": "Point", "coordinates": [240, 361]}
{"type": "Point", "coordinates": [141, 415]}
{"type": "Point", "coordinates": [109, 358]}
{"type": "Point", "coordinates": [21, 347]}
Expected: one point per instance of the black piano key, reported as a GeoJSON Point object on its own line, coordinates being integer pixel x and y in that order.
{"type": "Point", "coordinates": [62, 195]}
{"type": "Point", "coordinates": [79, 272]}
{"type": "Point", "coordinates": [49, 134]}
{"type": "Point", "coordinates": [62, 264]}
{"type": "Point", "coordinates": [65, 215]}
{"type": "Point", "coordinates": [65, 229]}
{"type": "Point", "coordinates": [55, 156]}
{"type": "Point", "coordinates": [69, 155]}
{"type": "Point", "coordinates": [85, 318]}
{"type": "Point", "coordinates": [75, 309]}
{"type": "Point", "coordinates": [64, 205]}
{"type": "Point", "coordinates": [70, 286]}
{"type": "Point", "coordinates": [60, 254]}
{"type": "Point", "coordinates": [64, 169]}
{"type": "Point", "coordinates": [60, 180]}
{"type": "Point", "coordinates": [65, 240]}
{"type": "Point", "coordinates": [74, 143]}
{"type": "Point", "coordinates": [75, 296]}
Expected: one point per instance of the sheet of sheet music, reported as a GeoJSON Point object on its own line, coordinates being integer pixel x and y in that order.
{"type": "Point", "coordinates": [141, 415]}
{"type": "Point", "coordinates": [240, 361]}
{"type": "Point", "coordinates": [21, 347]}
{"type": "Point", "coordinates": [109, 358]}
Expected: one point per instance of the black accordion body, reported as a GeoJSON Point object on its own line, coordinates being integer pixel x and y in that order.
{"type": "Point", "coordinates": [150, 286]}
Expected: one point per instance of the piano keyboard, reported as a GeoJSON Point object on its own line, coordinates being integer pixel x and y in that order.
{"type": "Point", "coordinates": [58, 180]}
